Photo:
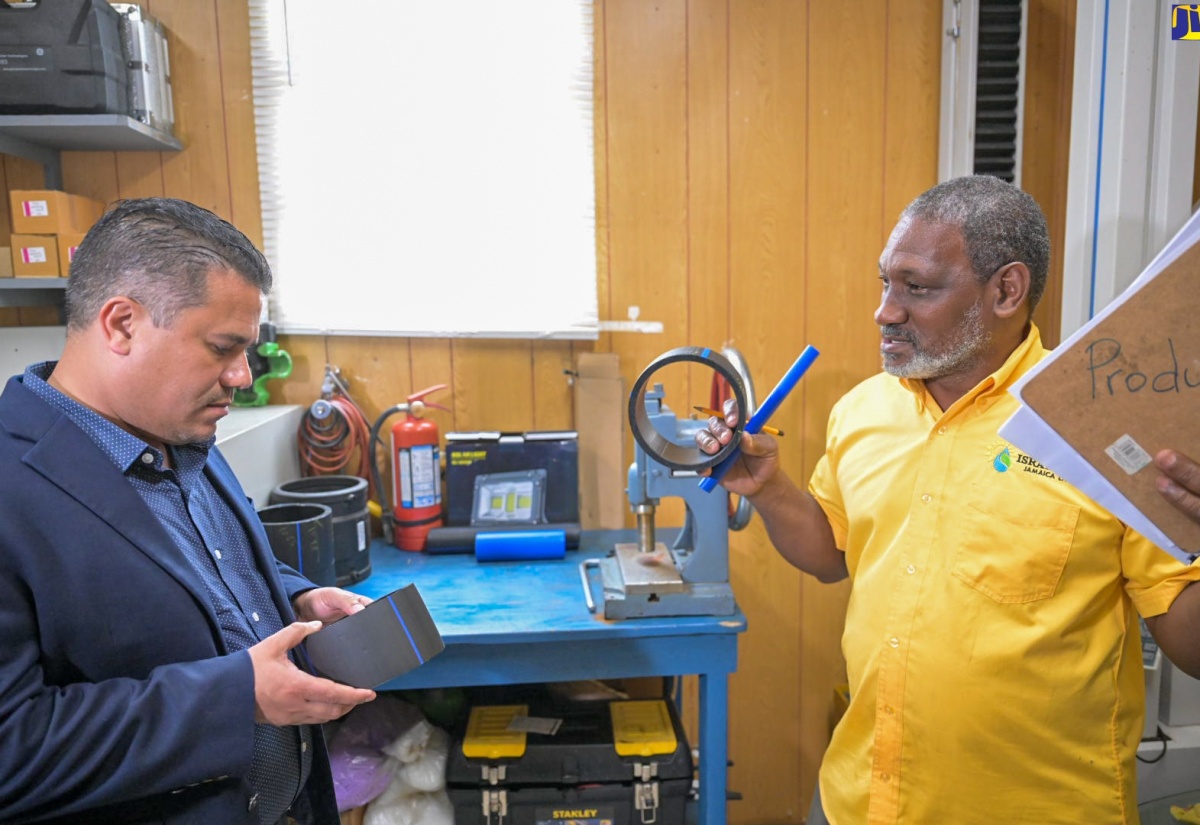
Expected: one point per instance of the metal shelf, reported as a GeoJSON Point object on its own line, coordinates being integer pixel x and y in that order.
{"type": "Point", "coordinates": [24, 292]}
{"type": "Point", "coordinates": [42, 137]}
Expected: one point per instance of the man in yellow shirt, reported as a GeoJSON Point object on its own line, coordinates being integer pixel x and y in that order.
{"type": "Point", "coordinates": [992, 640]}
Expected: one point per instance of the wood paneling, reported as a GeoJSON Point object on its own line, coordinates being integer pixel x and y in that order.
{"type": "Point", "coordinates": [769, 142]}
{"type": "Point", "coordinates": [1047, 144]}
{"type": "Point", "coordinates": [751, 158]}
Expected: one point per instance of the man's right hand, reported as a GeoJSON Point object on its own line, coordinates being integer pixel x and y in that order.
{"type": "Point", "coordinates": [286, 695]}
{"type": "Point", "coordinates": [757, 461]}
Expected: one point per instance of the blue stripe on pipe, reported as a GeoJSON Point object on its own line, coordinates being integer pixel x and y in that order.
{"type": "Point", "coordinates": [403, 624]}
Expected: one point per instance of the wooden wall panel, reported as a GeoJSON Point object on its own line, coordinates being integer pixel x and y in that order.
{"type": "Point", "coordinates": [200, 113]}
{"type": "Point", "coordinates": [770, 87]}
{"type": "Point", "coordinates": [846, 195]}
{"type": "Point", "coordinates": [708, 207]}
{"type": "Point", "coordinates": [646, 127]}
{"type": "Point", "coordinates": [553, 396]}
{"type": "Point", "coordinates": [1047, 144]}
{"type": "Point", "coordinates": [751, 158]}
{"type": "Point", "coordinates": [237, 96]}
{"type": "Point", "coordinates": [93, 174]}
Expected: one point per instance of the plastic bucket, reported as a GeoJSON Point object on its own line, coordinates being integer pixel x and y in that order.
{"type": "Point", "coordinates": [346, 496]}
{"type": "Point", "coordinates": [301, 536]}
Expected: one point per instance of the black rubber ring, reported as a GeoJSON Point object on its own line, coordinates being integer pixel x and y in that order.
{"type": "Point", "coordinates": [660, 448]}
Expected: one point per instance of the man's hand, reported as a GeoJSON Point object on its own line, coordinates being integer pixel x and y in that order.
{"type": "Point", "coordinates": [757, 462]}
{"type": "Point", "coordinates": [1179, 482]}
{"type": "Point", "coordinates": [327, 604]}
{"type": "Point", "coordinates": [286, 695]}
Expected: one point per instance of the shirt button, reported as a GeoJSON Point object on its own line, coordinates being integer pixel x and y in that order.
{"type": "Point", "coordinates": [926, 498]}
{"type": "Point", "coordinates": [217, 553]}
{"type": "Point", "coordinates": [889, 710]}
{"type": "Point", "coordinates": [254, 616]}
{"type": "Point", "coordinates": [894, 642]}
{"type": "Point", "coordinates": [303, 747]}
{"type": "Point", "coordinates": [253, 806]}
{"type": "Point", "coordinates": [910, 569]}
{"type": "Point", "coordinates": [941, 430]}
{"type": "Point", "coordinates": [147, 458]}
{"type": "Point", "coordinates": [886, 777]}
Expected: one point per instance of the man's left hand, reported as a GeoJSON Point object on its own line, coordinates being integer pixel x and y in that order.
{"type": "Point", "coordinates": [1179, 482]}
{"type": "Point", "coordinates": [327, 604]}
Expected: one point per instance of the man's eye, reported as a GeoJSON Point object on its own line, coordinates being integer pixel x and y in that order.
{"type": "Point", "coordinates": [918, 288]}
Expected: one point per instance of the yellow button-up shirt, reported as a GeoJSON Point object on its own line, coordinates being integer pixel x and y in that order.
{"type": "Point", "coordinates": [991, 641]}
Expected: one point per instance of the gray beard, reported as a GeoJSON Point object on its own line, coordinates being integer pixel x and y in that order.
{"type": "Point", "coordinates": [964, 352]}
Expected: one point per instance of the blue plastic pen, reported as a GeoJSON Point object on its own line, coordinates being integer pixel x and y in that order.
{"type": "Point", "coordinates": [786, 384]}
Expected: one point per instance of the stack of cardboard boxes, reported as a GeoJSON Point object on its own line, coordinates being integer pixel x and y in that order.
{"type": "Point", "coordinates": [47, 226]}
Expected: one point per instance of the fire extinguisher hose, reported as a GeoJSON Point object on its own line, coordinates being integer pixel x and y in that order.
{"type": "Point", "coordinates": [386, 518]}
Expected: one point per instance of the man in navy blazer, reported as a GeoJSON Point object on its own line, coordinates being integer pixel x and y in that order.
{"type": "Point", "coordinates": [146, 630]}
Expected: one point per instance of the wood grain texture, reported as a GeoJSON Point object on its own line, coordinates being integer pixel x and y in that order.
{"type": "Point", "coordinates": [196, 71]}
{"type": "Point", "coordinates": [1047, 138]}
{"type": "Point", "coordinates": [769, 134]}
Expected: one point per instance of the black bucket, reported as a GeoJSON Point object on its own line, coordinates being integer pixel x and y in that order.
{"type": "Point", "coordinates": [346, 496]}
{"type": "Point", "coordinates": [301, 536]}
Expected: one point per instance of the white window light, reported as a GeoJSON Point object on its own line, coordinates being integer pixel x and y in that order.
{"type": "Point", "coordinates": [426, 168]}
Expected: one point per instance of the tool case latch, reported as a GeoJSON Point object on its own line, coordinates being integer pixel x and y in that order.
{"type": "Point", "coordinates": [495, 800]}
{"type": "Point", "coordinates": [495, 803]}
{"type": "Point", "coordinates": [645, 791]}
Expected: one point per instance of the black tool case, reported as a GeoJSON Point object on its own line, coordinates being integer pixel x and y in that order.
{"type": "Point", "coordinates": [62, 57]}
{"type": "Point", "coordinates": [607, 763]}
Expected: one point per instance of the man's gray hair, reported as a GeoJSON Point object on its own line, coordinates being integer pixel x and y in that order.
{"type": "Point", "coordinates": [160, 252]}
{"type": "Point", "coordinates": [1000, 224]}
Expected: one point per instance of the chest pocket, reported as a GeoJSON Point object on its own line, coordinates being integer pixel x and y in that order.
{"type": "Point", "coordinates": [1013, 551]}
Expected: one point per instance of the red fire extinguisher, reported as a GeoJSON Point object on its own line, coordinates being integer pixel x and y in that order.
{"type": "Point", "coordinates": [416, 473]}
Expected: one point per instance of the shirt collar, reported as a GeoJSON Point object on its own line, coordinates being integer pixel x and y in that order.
{"type": "Point", "coordinates": [124, 449]}
{"type": "Point", "coordinates": [1027, 353]}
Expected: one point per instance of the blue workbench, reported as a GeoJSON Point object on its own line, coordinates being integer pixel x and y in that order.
{"type": "Point", "coordinates": [528, 622]}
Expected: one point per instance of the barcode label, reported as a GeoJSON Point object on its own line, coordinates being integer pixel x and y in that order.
{"type": "Point", "coordinates": [35, 209]}
{"type": "Point", "coordinates": [1128, 454]}
{"type": "Point", "coordinates": [33, 254]}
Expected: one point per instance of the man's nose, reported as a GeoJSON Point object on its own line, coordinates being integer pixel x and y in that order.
{"type": "Point", "coordinates": [238, 375]}
{"type": "Point", "coordinates": [890, 310]}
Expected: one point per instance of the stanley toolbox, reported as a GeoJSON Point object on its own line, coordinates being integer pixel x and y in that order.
{"type": "Point", "coordinates": [582, 763]}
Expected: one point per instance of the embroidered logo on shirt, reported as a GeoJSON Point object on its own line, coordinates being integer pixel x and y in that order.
{"type": "Point", "coordinates": [1008, 456]}
{"type": "Point", "coordinates": [1002, 461]}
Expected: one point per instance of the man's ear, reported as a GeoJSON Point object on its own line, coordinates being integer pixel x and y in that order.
{"type": "Point", "coordinates": [119, 319]}
{"type": "Point", "coordinates": [1012, 282]}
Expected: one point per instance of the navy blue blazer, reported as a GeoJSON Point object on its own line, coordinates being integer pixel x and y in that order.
{"type": "Point", "coordinates": [119, 701]}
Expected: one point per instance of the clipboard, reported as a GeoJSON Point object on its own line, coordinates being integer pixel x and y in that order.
{"type": "Point", "coordinates": [1129, 386]}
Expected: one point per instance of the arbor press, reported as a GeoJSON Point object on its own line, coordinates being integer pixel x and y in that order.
{"type": "Point", "coordinates": [690, 577]}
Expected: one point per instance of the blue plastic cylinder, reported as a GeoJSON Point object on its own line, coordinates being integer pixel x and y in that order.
{"type": "Point", "coordinates": [521, 545]}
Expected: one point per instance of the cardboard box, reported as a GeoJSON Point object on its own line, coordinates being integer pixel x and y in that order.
{"type": "Point", "coordinates": [471, 455]}
{"type": "Point", "coordinates": [6, 270]}
{"type": "Point", "coordinates": [49, 212]}
{"type": "Point", "coordinates": [35, 256]}
{"type": "Point", "coordinates": [68, 242]}
{"type": "Point", "coordinates": [600, 413]}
